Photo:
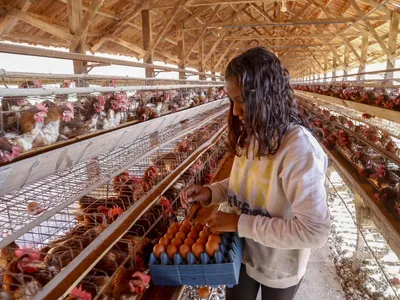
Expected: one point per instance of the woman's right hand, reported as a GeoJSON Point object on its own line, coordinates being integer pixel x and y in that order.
{"type": "Point", "coordinates": [195, 193]}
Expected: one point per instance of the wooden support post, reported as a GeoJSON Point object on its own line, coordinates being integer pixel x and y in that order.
{"type": "Point", "coordinates": [147, 40]}
{"type": "Point", "coordinates": [181, 48]}
{"type": "Point", "coordinates": [346, 62]}
{"type": "Point", "coordinates": [364, 52]}
{"type": "Point", "coordinates": [201, 56]}
{"type": "Point", "coordinates": [334, 66]}
{"type": "Point", "coordinates": [325, 66]}
{"type": "Point", "coordinates": [392, 44]}
{"type": "Point", "coordinates": [75, 16]}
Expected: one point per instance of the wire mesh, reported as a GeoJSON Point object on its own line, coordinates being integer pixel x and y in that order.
{"type": "Point", "coordinates": [59, 239]}
{"type": "Point", "coordinates": [23, 209]}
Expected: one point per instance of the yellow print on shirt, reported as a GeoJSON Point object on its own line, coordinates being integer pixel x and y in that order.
{"type": "Point", "coordinates": [250, 179]}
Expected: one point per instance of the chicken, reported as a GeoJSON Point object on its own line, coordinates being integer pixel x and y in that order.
{"type": "Point", "coordinates": [31, 122]}
{"type": "Point", "coordinates": [115, 104]}
{"type": "Point", "coordinates": [8, 151]}
{"type": "Point", "coordinates": [146, 113]}
{"type": "Point", "coordinates": [86, 116]}
{"type": "Point", "coordinates": [167, 161]}
{"type": "Point", "coordinates": [7, 254]}
{"type": "Point", "coordinates": [129, 282]}
{"type": "Point", "coordinates": [111, 261]}
{"type": "Point", "coordinates": [51, 129]}
{"type": "Point", "coordinates": [63, 253]}
{"type": "Point", "coordinates": [78, 293]}
{"type": "Point", "coordinates": [15, 281]}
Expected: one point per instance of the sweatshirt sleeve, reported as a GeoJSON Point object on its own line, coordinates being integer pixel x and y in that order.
{"type": "Point", "coordinates": [219, 193]}
{"type": "Point", "coordinates": [303, 185]}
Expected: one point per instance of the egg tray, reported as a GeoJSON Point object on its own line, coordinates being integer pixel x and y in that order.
{"type": "Point", "coordinates": [222, 269]}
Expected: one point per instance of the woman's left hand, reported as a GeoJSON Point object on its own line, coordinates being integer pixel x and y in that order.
{"type": "Point", "coordinates": [223, 222]}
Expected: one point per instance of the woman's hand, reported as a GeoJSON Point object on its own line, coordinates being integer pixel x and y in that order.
{"type": "Point", "coordinates": [195, 193]}
{"type": "Point", "coordinates": [223, 222]}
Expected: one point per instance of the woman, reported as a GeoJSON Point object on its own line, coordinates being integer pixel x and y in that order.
{"type": "Point", "coordinates": [276, 192]}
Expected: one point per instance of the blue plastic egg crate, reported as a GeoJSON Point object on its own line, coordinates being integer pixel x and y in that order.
{"type": "Point", "coordinates": [222, 269]}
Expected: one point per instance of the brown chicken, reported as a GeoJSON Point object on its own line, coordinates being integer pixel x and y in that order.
{"type": "Point", "coordinates": [146, 113]}
{"type": "Point", "coordinates": [7, 254]}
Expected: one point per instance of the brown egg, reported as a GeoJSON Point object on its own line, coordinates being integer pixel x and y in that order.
{"type": "Point", "coordinates": [173, 230]}
{"type": "Point", "coordinates": [204, 234]}
{"type": "Point", "coordinates": [158, 249]}
{"type": "Point", "coordinates": [212, 247]}
{"type": "Point", "coordinates": [215, 237]}
{"type": "Point", "coordinates": [189, 242]}
{"type": "Point", "coordinates": [207, 229]}
{"type": "Point", "coordinates": [187, 223]}
{"type": "Point", "coordinates": [184, 250]}
{"type": "Point", "coordinates": [185, 229]}
{"type": "Point", "coordinates": [171, 250]}
{"type": "Point", "coordinates": [195, 229]}
{"type": "Point", "coordinates": [181, 235]}
{"type": "Point", "coordinates": [198, 249]}
{"type": "Point", "coordinates": [204, 292]}
{"type": "Point", "coordinates": [177, 242]}
{"type": "Point", "coordinates": [199, 225]}
{"type": "Point", "coordinates": [176, 224]}
{"type": "Point", "coordinates": [164, 241]}
{"type": "Point", "coordinates": [193, 235]}
{"type": "Point", "coordinates": [169, 236]}
{"type": "Point", "coordinates": [202, 241]}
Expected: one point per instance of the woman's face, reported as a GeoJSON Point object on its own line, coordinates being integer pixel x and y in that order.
{"type": "Point", "coordinates": [235, 93]}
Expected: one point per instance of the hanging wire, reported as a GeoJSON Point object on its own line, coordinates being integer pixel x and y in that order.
{"type": "Point", "coordinates": [364, 238]}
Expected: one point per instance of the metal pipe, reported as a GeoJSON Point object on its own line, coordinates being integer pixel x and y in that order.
{"type": "Point", "coordinates": [67, 91]}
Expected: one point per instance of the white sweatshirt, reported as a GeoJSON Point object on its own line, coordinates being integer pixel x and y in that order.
{"type": "Point", "coordinates": [282, 202]}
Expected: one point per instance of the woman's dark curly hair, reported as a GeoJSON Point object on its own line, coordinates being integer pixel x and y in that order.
{"type": "Point", "coordinates": [269, 100]}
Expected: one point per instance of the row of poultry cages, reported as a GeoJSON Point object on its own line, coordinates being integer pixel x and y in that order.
{"type": "Point", "coordinates": [34, 116]}
{"type": "Point", "coordinates": [373, 151]}
{"type": "Point", "coordinates": [28, 205]}
{"type": "Point", "coordinates": [36, 257]}
{"type": "Point", "coordinates": [387, 97]}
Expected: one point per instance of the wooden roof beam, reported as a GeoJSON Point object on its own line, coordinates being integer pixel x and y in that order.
{"type": "Point", "coordinates": [86, 22]}
{"type": "Point", "coordinates": [140, 51]}
{"type": "Point", "coordinates": [372, 3]}
{"type": "Point", "coordinates": [302, 10]}
{"type": "Point", "coordinates": [292, 36]}
{"type": "Point", "coordinates": [262, 11]}
{"type": "Point", "coordinates": [206, 3]}
{"type": "Point", "coordinates": [167, 23]}
{"type": "Point", "coordinates": [350, 46]}
{"type": "Point", "coordinates": [203, 31]}
{"type": "Point", "coordinates": [8, 23]}
{"type": "Point", "coordinates": [307, 22]}
{"type": "Point", "coordinates": [371, 28]}
{"type": "Point", "coordinates": [224, 54]}
{"type": "Point", "coordinates": [27, 18]}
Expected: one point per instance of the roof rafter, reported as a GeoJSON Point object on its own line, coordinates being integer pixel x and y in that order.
{"type": "Point", "coordinates": [203, 31]}
{"type": "Point", "coordinates": [27, 18]}
{"type": "Point", "coordinates": [167, 23]}
{"type": "Point", "coordinates": [8, 23]}
{"type": "Point", "coordinates": [87, 20]}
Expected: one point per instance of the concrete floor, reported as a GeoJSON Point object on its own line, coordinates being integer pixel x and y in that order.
{"type": "Point", "coordinates": [320, 281]}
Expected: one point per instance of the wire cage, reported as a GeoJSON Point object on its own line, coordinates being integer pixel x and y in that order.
{"type": "Point", "coordinates": [48, 248]}
{"type": "Point", "coordinates": [33, 117]}
{"type": "Point", "coordinates": [33, 203]}
{"type": "Point", "coordinates": [371, 160]}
